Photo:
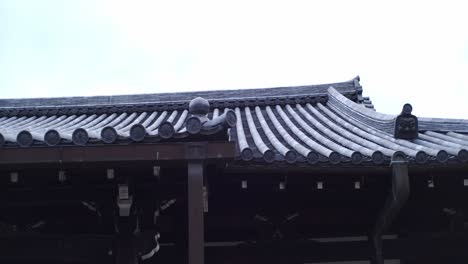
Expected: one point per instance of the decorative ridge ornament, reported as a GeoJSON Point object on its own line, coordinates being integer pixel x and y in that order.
{"type": "Point", "coordinates": [198, 122]}
{"type": "Point", "coordinates": [358, 86]}
{"type": "Point", "coordinates": [198, 110]}
{"type": "Point", "coordinates": [199, 106]}
{"type": "Point", "coordinates": [406, 124]}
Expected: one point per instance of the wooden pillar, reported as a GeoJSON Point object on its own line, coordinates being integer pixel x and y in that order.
{"type": "Point", "coordinates": [196, 248]}
{"type": "Point", "coordinates": [126, 250]}
{"type": "Point", "coordinates": [195, 212]}
{"type": "Point", "coordinates": [126, 223]}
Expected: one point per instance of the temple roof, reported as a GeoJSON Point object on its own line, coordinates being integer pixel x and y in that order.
{"type": "Point", "coordinates": [315, 124]}
{"type": "Point", "coordinates": [180, 100]}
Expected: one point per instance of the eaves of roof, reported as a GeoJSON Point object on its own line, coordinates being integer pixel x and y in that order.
{"type": "Point", "coordinates": [320, 125]}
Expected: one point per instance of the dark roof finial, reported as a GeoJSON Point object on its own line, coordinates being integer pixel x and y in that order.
{"type": "Point", "coordinates": [199, 106]}
{"type": "Point", "coordinates": [406, 124]}
{"type": "Point", "coordinates": [407, 109]}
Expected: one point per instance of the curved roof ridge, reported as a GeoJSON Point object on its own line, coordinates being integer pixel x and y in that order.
{"type": "Point", "coordinates": [359, 107]}
{"type": "Point", "coordinates": [180, 97]}
{"type": "Point", "coordinates": [385, 122]}
{"type": "Point", "coordinates": [443, 124]}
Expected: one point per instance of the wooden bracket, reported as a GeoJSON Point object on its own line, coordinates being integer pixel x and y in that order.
{"type": "Point", "coordinates": [195, 150]}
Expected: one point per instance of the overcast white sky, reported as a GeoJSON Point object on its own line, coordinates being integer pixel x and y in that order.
{"type": "Point", "coordinates": [406, 51]}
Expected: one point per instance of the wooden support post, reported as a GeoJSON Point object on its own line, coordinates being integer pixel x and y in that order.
{"type": "Point", "coordinates": [126, 249]}
{"type": "Point", "coordinates": [195, 207]}
{"type": "Point", "coordinates": [126, 223]}
{"type": "Point", "coordinates": [196, 248]}
{"type": "Point", "coordinates": [395, 200]}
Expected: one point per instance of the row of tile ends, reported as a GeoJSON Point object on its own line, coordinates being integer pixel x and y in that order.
{"type": "Point", "coordinates": [406, 127]}
{"type": "Point", "coordinates": [197, 123]}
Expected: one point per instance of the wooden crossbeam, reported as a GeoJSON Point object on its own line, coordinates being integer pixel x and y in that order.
{"type": "Point", "coordinates": [111, 153]}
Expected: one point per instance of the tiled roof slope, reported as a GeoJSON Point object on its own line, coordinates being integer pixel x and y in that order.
{"type": "Point", "coordinates": [324, 124]}
{"type": "Point", "coordinates": [219, 98]}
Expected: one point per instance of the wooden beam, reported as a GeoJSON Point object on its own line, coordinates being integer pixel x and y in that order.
{"type": "Point", "coordinates": [111, 153]}
{"type": "Point", "coordinates": [59, 248]}
{"type": "Point", "coordinates": [417, 248]}
{"type": "Point", "coordinates": [66, 248]}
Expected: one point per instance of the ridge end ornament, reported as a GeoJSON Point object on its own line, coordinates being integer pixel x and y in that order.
{"type": "Point", "coordinates": [198, 111]}
{"type": "Point", "coordinates": [406, 124]}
